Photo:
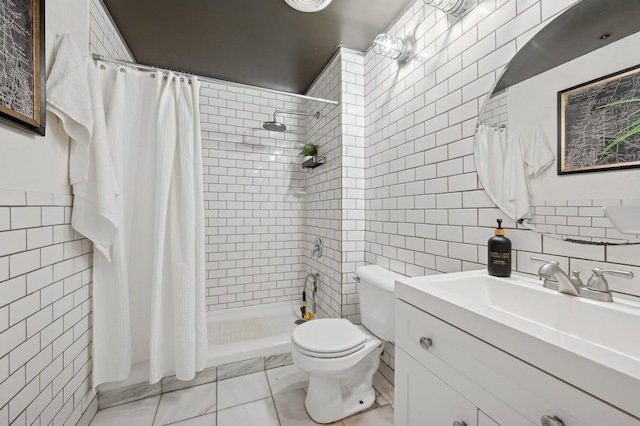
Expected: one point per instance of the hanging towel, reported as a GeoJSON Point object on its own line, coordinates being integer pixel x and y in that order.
{"type": "Point", "coordinates": [538, 153]}
{"type": "Point", "coordinates": [68, 98]}
{"type": "Point", "coordinates": [74, 95]}
{"type": "Point", "coordinates": [490, 150]}
{"type": "Point", "coordinates": [516, 190]}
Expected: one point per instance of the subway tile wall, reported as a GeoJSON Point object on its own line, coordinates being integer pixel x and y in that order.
{"type": "Point", "coordinates": [426, 212]}
{"type": "Point", "coordinates": [254, 209]}
{"type": "Point", "coordinates": [582, 220]}
{"type": "Point", "coordinates": [45, 307]}
{"type": "Point", "coordinates": [334, 205]}
{"type": "Point", "coordinates": [323, 201]}
{"type": "Point", "coordinates": [104, 37]}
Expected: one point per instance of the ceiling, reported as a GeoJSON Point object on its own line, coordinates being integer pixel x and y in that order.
{"type": "Point", "coordinates": [262, 43]}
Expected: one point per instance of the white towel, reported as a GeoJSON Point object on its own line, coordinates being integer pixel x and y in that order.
{"type": "Point", "coordinates": [516, 191]}
{"type": "Point", "coordinates": [538, 154]}
{"type": "Point", "coordinates": [490, 150]}
{"type": "Point", "coordinates": [74, 95]}
{"type": "Point", "coordinates": [68, 98]}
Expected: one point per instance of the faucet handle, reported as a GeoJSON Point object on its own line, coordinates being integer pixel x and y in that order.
{"type": "Point", "coordinates": [598, 281]}
{"type": "Point", "coordinates": [541, 260]}
{"type": "Point", "coordinates": [598, 288]}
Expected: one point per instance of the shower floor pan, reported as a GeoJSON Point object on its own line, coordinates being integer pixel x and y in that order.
{"type": "Point", "coordinates": [239, 334]}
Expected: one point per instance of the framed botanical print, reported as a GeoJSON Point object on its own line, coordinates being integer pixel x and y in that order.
{"type": "Point", "coordinates": [599, 124]}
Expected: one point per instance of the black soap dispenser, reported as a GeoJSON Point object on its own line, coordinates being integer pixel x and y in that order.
{"type": "Point", "coordinates": [499, 264]}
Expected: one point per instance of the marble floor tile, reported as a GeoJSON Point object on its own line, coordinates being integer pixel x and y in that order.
{"type": "Point", "coordinates": [278, 360]}
{"type": "Point", "coordinates": [291, 411]}
{"type": "Point", "coordinates": [109, 398]}
{"type": "Point", "coordinates": [242, 389]}
{"type": "Point", "coordinates": [206, 420]}
{"type": "Point", "coordinates": [235, 369]}
{"type": "Point", "coordinates": [261, 412]}
{"type": "Point", "coordinates": [172, 383]}
{"type": "Point", "coordinates": [287, 378]}
{"type": "Point", "coordinates": [186, 403]}
{"type": "Point", "coordinates": [272, 398]}
{"type": "Point", "coordinates": [382, 416]}
{"type": "Point", "coordinates": [139, 413]}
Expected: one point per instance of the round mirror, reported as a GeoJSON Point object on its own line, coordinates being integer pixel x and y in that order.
{"type": "Point", "coordinates": [559, 135]}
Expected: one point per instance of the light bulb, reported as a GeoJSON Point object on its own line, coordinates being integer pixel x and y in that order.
{"type": "Point", "coordinates": [392, 47]}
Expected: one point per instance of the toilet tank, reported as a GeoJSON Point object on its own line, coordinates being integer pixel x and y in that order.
{"type": "Point", "coordinates": [377, 302]}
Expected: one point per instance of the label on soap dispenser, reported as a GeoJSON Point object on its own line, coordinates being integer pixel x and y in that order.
{"type": "Point", "coordinates": [500, 258]}
{"type": "Point", "coordinates": [500, 263]}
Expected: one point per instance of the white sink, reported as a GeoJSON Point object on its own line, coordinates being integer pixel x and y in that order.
{"type": "Point", "coordinates": [590, 344]}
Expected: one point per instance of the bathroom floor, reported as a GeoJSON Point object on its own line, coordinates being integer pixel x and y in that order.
{"type": "Point", "coordinates": [268, 398]}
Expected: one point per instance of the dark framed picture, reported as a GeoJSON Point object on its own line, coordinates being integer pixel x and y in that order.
{"type": "Point", "coordinates": [22, 74]}
{"type": "Point", "coordinates": [599, 124]}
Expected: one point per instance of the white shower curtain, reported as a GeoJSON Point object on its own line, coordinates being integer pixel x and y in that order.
{"type": "Point", "coordinates": [149, 300]}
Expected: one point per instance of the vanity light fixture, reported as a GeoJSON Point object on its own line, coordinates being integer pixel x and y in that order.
{"type": "Point", "coordinates": [392, 47]}
{"type": "Point", "coordinates": [452, 7]}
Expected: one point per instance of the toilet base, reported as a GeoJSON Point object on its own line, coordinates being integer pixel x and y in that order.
{"type": "Point", "coordinates": [334, 397]}
{"type": "Point", "coordinates": [329, 407]}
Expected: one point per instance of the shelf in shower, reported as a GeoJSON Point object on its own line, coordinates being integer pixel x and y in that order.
{"type": "Point", "coordinates": [313, 162]}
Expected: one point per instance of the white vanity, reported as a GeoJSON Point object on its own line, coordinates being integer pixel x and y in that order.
{"type": "Point", "coordinates": [472, 349]}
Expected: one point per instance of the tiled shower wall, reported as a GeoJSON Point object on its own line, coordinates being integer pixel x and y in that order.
{"type": "Point", "coordinates": [335, 201]}
{"type": "Point", "coordinates": [45, 307]}
{"type": "Point", "coordinates": [253, 205]}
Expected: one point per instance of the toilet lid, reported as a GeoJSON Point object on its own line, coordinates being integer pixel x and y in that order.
{"type": "Point", "coordinates": [328, 337]}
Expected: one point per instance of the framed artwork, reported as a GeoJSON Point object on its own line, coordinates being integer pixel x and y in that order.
{"type": "Point", "coordinates": [22, 74]}
{"type": "Point", "coordinates": [599, 124]}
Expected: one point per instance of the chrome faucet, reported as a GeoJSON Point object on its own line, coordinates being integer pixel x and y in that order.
{"type": "Point", "coordinates": [555, 278]}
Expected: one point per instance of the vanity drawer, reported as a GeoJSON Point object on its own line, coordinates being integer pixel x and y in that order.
{"type": "Point", "coordinates": [503, 386]}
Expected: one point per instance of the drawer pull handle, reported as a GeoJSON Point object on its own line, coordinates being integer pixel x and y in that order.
{"type": "Point", "coordinates": [457, 423]}
{"type": "Point", "coordinates": [426, 343]}
{"type": "Point", "coordinates": [551, 421]}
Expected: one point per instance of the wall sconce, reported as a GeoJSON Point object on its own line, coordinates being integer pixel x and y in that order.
{"type": "Point", "coordinates": [392, 47]}
{"type": "Point", "coordinates": [452, 7]}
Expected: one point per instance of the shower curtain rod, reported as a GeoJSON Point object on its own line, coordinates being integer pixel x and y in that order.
{"type": "Point", "coordinates": [97, 57]}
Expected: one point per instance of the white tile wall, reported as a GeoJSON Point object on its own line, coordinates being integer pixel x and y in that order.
{"type": "Point", "coordinates": [335, 201]}
{"type": "Point", "coordinates": [45, 307]}
{"type": "Point", "coordinates": [447, 194]}
{"type": "Point", "coordinates": [425, 209]}
{"type": "Point", "coordinates": [45, 297]}
{"type": "Point", "coordinates": [105, 38]}
{"type": "Point", "coordinates": [253, 206]}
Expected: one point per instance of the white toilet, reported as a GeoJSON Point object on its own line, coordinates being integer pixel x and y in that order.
{"type": "Point", "coordinates": [341, 357]}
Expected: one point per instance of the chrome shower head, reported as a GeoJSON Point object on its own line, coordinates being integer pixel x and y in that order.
{"type": "Point", "coordinates": [274, 126]}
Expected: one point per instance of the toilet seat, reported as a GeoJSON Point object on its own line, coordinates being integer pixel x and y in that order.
{"type": "Point", "coordinates": [328, 338]}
